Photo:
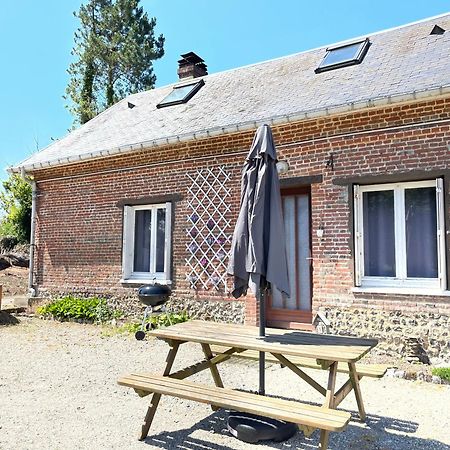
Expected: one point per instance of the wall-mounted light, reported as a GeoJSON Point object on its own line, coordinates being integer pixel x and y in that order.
{"type": "Point", "coordinates": [320, 230]}
{"type": "Point", "coordinates": [282, 167]}
{"type": "Point", "coordinates": [330, 162]}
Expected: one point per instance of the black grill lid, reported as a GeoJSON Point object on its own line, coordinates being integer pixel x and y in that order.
{"type": "Point", "coordinates": [153, 290]}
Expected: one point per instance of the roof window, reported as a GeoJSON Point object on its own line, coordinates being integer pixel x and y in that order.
{"type": "Point", "coordinates": [437, 30]}
{"type": "Point", "coordinates": [181, 94]}
{"type": "Point", "coordinates": [345, 55]}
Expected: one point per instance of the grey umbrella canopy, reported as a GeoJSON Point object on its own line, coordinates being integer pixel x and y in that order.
{"type": "Point", "coordinates": [258, 251]}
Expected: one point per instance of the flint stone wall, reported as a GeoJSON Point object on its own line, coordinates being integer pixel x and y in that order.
{"type": "Point", "coordinates": [214, 310]}
{"type": "Point", "coordinates": [392, 328]}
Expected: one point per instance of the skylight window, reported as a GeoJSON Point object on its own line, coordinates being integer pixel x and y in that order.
{"type": "Point", "coordinates": [181, 94]}
{"type": "Point", "coordinates": [346, 55]}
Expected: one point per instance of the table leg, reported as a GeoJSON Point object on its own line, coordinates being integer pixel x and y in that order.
{"type": "Point", "coordinates": [213, 368]}
{"type": "Point", "coordinates": [329, 396]}
{"type": "Point", "coordinates": [156, 397]}
{"type": "Point", "coordinates": [329, 403]}
{"type": "Point", "coordinates": [355, 383]}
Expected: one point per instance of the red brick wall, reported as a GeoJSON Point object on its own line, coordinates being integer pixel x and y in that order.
{"type": "Point", "coordinates": [79, 226]}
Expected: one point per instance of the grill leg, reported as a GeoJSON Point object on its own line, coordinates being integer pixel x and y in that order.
{"type": "Point", "coordinates": [156, 397]}
{"type": "Point", "coordinates": [148, 311]}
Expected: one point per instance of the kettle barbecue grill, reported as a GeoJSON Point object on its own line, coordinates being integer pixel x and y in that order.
{"type": "Point", "coordinates": [154, 296]}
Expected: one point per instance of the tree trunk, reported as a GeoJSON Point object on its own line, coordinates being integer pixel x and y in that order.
{"type": "Point", "coordinates": [87, 98]}
{"type": "Point", "coordinates": [110, 89]}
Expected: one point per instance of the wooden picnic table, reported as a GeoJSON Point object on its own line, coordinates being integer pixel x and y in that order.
{"type": "Point", "coordinates": [326, 350]}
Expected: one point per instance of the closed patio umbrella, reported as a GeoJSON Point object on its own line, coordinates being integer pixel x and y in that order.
{"type": "Point", "coordinates": [258, 251]}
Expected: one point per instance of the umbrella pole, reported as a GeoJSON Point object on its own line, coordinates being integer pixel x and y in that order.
{"type": "Point", "coordinates": [262, 332]}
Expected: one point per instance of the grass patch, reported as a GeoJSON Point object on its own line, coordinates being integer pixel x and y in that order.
{"type": "Point", "coordinates": [162, 320]}
{"type": "Point", "coordinates": [92, 309]}
{"type": "Point", "coordinates": [441, 372]}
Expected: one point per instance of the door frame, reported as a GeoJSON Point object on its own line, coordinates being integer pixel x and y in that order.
{"type": "Point", "coordinates": [285, 318]}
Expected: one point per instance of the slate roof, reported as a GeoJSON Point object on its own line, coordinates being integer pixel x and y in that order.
{"type": "Point", "coordinates": [399, 61]}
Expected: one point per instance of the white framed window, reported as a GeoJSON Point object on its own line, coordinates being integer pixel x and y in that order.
{"type": "Point", "coordinates": [399, 235]}
{"type": "Point", "coordinates": [147, 243]}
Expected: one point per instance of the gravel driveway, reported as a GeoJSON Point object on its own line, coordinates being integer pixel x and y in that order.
{"type": "Point", "coordinates": [58, 391]}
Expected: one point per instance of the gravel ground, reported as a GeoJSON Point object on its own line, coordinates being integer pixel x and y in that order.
{"type": "Point", "coordinates": [58, 391]}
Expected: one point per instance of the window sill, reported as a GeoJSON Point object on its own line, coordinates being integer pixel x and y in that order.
{"type": "Point", "coordinates": [402, 291]}
{"type": "Point", "coordinates": [141, 281]}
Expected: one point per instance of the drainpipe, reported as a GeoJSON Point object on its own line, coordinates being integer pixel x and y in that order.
{"type": "Point", "coordinates": [31, 288]}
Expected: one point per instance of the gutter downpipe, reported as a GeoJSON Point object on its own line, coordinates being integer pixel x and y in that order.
{"type": "Point", "coordinates": [31, 288]}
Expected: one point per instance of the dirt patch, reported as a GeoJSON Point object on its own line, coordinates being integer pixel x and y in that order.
{"type": "Point", "coordinates": [14, 281]}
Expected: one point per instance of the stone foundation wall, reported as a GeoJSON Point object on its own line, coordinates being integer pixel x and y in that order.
{"type": "Point", "coordinates": [393, 328]}
{"type": "Point", "coordinates": [214, 310]}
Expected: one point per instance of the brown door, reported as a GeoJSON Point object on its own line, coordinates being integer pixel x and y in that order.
{"type": "Point", "coordinates": [295, 311]}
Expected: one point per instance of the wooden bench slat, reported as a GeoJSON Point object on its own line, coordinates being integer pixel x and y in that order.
{"type": "Point", "coordinates": [364, 370]}
{"type": "Point", "coordinates": [224, 393]}
{"type": "Point", "coordinates": [205, 394]}
{"type": "Point", "coordinates": [288, 410]}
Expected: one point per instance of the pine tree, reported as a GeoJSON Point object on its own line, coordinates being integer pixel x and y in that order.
{"type": "Point", "coordinates": [115, 47]}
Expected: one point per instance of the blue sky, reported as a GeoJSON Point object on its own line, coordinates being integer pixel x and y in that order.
{"type": "Point", "coordinates": [36, 38]}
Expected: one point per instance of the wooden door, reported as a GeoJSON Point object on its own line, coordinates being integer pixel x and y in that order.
{"type": "Point", "coordinates": [295, 311]}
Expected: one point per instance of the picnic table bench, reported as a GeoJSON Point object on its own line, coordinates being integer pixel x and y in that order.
{"type": "Point", "coordinates": [287, 410]}
{"type": "Point", "coordinates": [285, 346]}
{"type": "Point", "coordinates": [363, 370]}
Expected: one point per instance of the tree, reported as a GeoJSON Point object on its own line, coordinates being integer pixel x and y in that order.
{"type": "Point", "coordinates": [15, 201]}
{"type": "Point", "coordinates": [115, 47]}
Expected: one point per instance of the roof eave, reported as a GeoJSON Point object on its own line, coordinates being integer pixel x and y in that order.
{"type": "Point", "coordinates": [243, 126]}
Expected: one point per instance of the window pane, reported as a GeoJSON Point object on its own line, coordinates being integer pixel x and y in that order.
{"type": "Point", "coordinates": [304, 270]}
{"type": "Point", "coordinates": [181, 93]}
{"type": "Point", "coordinates": [379, 234]}
{"type": "Point", "coordinates": [178, 94]}
{"type": "Point", "coordinates": [421, 232]}
{"type": "Point", "coordinates": [347, 53]}
{"type": "Point", "coordinates": [289, 223]}
{"type": "Point", "coordinates": [280, 300]}
{"type": "Point", "coordinates": [142, 234]}
{"type": "Point", "coordinates": [160, 239]}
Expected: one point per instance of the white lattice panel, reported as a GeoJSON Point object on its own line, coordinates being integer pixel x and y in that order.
{"type": "Point", "coordinates": [209, 229]}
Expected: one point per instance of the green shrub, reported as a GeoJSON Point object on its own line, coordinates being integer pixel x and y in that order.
{"type": "Point", "coordinates": [92, 309]}
{"type": "Point", "coordinates": [162, 320]}
{"type": "Point", "coordinates": [442, 372]}
{"type": "Point", "coordinates": [158, 321]}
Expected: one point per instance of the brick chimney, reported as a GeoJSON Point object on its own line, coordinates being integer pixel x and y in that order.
{"type": "Point", "coordinates": [191, 66]}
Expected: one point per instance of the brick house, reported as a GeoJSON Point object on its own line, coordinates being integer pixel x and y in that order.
{"type": "Point", "coordinates": [149, 189]}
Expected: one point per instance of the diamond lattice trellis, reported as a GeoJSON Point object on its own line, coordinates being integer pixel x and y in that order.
{"type": "Point", "coordinates": [208, 231]}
